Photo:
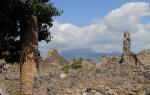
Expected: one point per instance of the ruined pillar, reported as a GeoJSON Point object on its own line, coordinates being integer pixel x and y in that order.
{"type": "Point", "coordinates": [126, 47]}
{"type": "Point", "coordinates": [126, 43]}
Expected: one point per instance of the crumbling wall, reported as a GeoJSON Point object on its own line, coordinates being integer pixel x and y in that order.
{"type": "Point", "coordinates": [128, 57]}
{"type": "Point", "coordinates": [144, 56]}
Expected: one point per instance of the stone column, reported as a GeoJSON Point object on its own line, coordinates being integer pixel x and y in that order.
{"type": "Point", "coordinates": [126, 47]}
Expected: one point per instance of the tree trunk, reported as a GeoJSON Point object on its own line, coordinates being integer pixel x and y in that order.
{"type": "Point", "coordinates": [29, 40]}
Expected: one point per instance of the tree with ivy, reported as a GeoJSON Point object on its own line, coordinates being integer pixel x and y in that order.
{"type": "Point", "coordinates": [22, 24]}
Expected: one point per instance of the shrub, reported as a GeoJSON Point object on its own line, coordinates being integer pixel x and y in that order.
{"type": "Point", "coordinates": [77, 63]}
{"type": "Point", "coordinates": [17, 93]}
{"type": "Point", "coordinates": [65, 68]}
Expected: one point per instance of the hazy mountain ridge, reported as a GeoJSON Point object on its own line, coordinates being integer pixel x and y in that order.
{"type": "Point", "coordinates": [87, 53]}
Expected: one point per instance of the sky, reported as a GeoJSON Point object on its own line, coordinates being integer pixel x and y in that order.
{"type": "Point", "coordinates": [99, 25]}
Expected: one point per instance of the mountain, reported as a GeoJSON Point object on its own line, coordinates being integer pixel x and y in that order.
{"type": "Point", "coordinates": [87, 53]}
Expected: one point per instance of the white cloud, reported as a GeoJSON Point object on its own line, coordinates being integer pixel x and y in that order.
{"type": "Point", "coordinates": [107, 33]}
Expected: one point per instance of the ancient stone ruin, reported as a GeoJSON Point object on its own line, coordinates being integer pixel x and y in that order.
{"type": "Point", "coordinates": [144, 56]}
{"type": "Point", "coordinates": [126, 47]}
{"type": "Point", "coordinates": [128, 57]}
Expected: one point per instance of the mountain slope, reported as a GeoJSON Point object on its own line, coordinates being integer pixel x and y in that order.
{"type": "Point", "coordinates": [87, 53]}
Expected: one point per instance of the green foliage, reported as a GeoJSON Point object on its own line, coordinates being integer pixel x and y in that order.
{"type": "Point", "coordinates": [65, 68]}
{"type": "Point", "coordinates": [13, 14]}
{"type": "Point", "coordinates": [77, 63]}
{"type": "Point", "coordinates": [17, 93]}
{"type": "Point", "coordinates": [44, 10]}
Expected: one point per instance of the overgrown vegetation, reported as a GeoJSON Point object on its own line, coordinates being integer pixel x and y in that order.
{"type": "Point", "coordinates": [66, 68]}
{"type": "Point", "coordinates": [17, 93]}
{"type": "Point", "coordinates": [77, 63]}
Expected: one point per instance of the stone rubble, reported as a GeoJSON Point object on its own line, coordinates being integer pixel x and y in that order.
{"type": "Point", "coordinates": [109, 77]}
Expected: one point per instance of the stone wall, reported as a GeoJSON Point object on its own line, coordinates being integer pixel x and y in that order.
{"type": "Point", "coordinates": [128, 57]}
{"type": "Point", "coordinates": [144, 56]}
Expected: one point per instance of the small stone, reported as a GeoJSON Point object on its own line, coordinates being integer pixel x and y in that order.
{"type": "Point", "coordinates": [85, 93]}
{"type": "Point", "coordinates": [62, 76]}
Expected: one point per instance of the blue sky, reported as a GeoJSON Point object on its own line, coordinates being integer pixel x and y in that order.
{"type": "Point", "coordinates": [84, 12]}
{"type": "Point", "coordinates": [99, 25]}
